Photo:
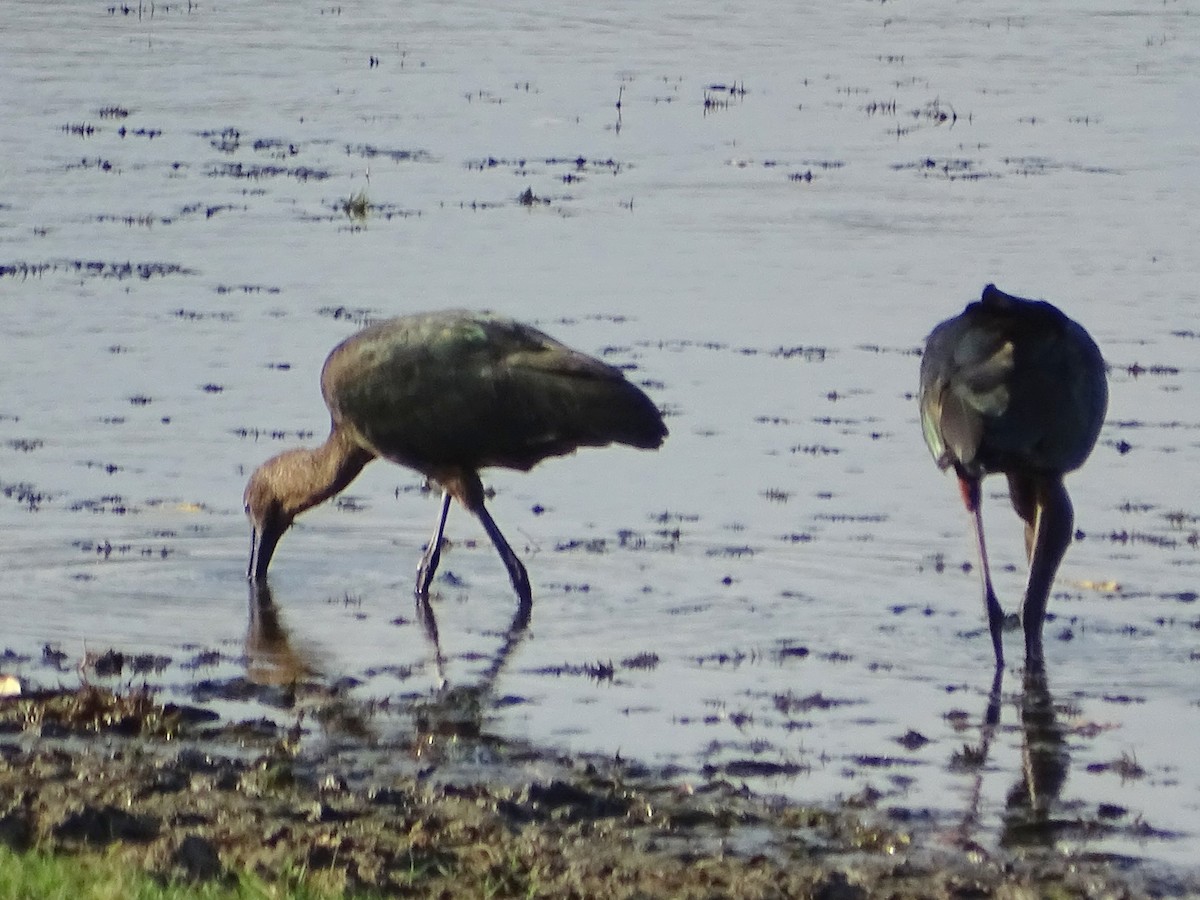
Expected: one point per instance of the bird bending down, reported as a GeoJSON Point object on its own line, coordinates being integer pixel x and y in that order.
{"type": "Point", "coordinates": [446, 394]}
{"type": "Point", "coordinates": [1014, 386]}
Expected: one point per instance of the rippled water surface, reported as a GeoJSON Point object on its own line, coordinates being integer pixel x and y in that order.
{"type": "Point", "coordinates": [759, 211]}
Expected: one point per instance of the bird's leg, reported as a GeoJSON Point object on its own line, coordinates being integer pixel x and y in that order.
{"type": "Point", "coordinates": [433, 552]}
{"type": "Point", "coordinates": [973, 500]}
{"type": "Point", "coordinates": [472, 499]}
{"type": "Point", "coordinates": [1022, 490]}
{"type": "Point", "coordinates": [1052, 526]}
{"type": "Point", "coordinates": [991, 717]}
{"type": "Point", "coordinates": [516, 571]}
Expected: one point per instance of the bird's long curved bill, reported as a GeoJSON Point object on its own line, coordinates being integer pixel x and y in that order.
{"type": "Point", "coordinates": [262, 548]}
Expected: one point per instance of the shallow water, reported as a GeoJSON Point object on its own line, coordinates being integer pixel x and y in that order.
{"type": "Point", "coordinates": [783, 205]}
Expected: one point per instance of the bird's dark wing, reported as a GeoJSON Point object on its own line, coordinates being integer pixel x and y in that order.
{"type": "Point", "coordinates": [1011, 384]}
{"type": "Point", "coordinates": [1059, 395]}
{"type": "Point", "coordinates": [561, 399]}
{"type": "Point", "coordinates": [469, 390]}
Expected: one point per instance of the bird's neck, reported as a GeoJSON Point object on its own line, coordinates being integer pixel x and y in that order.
{"type": "Point", "coordinates": [304, 478]}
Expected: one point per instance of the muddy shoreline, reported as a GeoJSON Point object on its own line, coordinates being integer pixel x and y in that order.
{"type": "Point", "coordinates": [175, 792]}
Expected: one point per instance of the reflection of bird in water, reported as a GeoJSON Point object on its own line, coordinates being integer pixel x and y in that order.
{"type": "Point", "coordinates": [458, 711]}
{"type": "Point", "coordinates": [1045, 762]}
{"type": "Point", "coordinates": [270, 657]}
{"type": "Point", "coordinates": [449, 393]}
{"type": "Point", "coordinates": [1014, 386]}
{"type": "Point", "coordinates": [1028, 817]}
{"type": "Point", "coordinates": [289, 676]}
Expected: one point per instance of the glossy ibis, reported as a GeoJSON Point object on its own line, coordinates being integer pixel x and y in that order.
{"type": "Point", "coordinates": [446, 394]}
{"type": "Point", "coordinates": [1014, 386]}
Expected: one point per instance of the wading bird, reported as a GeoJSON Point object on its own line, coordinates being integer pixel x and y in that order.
{"type": "Point", "coordinates": [1014, 386]}
{"type": "Point", "coordinates": [446, 394]}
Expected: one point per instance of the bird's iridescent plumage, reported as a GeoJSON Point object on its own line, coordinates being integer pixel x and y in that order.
{"type": "Point", "coordinates": [1011, 383]}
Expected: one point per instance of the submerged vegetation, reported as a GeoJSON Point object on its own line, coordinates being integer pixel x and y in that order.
{"type": "Point", "coordinates": [356, 207]}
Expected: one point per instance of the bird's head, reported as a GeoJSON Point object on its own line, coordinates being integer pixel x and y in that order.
{"type": "Point", "coordinates": [268, 514]}
{"type": "Point", "coordinates": [288, 484]}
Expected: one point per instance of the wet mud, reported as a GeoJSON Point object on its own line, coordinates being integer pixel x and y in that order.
{"type": "Point", "coordinates": [182, 796]}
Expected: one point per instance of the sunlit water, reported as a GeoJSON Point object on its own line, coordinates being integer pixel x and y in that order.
{"type": "Point", "coordinates": [784, 203]}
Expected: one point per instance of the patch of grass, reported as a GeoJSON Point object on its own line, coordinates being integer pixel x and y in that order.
{"type": "Point", "coordinates": [107, 877]}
